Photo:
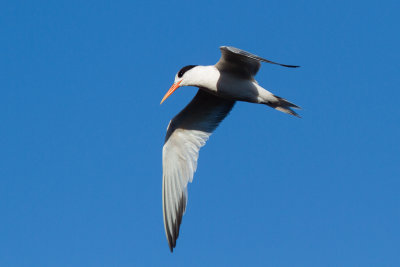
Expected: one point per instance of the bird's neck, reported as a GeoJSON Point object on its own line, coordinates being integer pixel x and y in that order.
{"type": "Point", "coordinates": [205, 76]}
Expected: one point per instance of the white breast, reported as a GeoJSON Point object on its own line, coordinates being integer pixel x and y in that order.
{"type": "Point", "coordinates": [227, 85]}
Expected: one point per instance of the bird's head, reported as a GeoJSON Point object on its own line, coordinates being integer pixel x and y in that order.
{"type": "Point", "coordinates": [182, 78]}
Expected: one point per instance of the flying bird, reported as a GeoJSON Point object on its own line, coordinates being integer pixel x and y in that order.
{"type": "Point", "coordinates": [220, 86]}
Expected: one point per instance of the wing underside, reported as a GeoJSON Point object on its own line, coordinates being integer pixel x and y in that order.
{"type": "Point", "coordinates": [187, 133]}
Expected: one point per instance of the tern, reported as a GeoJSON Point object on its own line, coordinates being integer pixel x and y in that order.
{"type": "Point", "coordinates": [220, 86]}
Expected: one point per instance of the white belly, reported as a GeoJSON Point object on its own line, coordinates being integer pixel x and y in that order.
{"type": "Point", "coordinates": [229, 86]}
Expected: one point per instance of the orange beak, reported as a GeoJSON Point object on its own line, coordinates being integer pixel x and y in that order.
{"type": "Point", "coordinates": [171, 90]}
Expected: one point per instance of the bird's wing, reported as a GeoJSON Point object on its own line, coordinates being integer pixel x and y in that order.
{"type": "Point", "coordinates": [240, 62]}
{"type": "Point", "coordinates": [186, 134]}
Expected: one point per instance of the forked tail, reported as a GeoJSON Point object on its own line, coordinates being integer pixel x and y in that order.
{"type": "Point", "coordinates": [283, 105]}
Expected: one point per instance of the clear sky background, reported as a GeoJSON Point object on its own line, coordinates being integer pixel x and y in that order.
{"type": "Point", "coordinates": [81, 133]}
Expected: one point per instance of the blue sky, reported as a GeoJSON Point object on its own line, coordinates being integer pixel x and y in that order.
{"type": "Point", "coordinates": [82, 130]}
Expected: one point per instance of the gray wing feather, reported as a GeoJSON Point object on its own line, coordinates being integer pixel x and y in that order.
{"type": "Point", "coordinates": [186, 134]}
{"type": "Point", "coordinates": [242, 62]}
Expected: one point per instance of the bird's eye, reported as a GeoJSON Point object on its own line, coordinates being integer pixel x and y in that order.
{"type": "Point", "coordinates": [185, 69]}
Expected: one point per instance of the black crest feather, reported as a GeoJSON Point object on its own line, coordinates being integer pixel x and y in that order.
{"type": "Point", "coordinates": [185, 69]}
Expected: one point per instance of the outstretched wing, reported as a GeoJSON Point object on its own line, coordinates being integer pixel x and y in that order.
{"type": "Point", "coordinates": [187, 133]}
{"type": "Point", "coordinates": [240, 62]}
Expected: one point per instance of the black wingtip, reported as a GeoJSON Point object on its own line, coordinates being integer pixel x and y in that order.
{"type": "Point", "coordinates": [173, 235]}
{"type": "Point", "coordinates": [171, 244]}
{"type": "Point", "coordinates": [290, 66]}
